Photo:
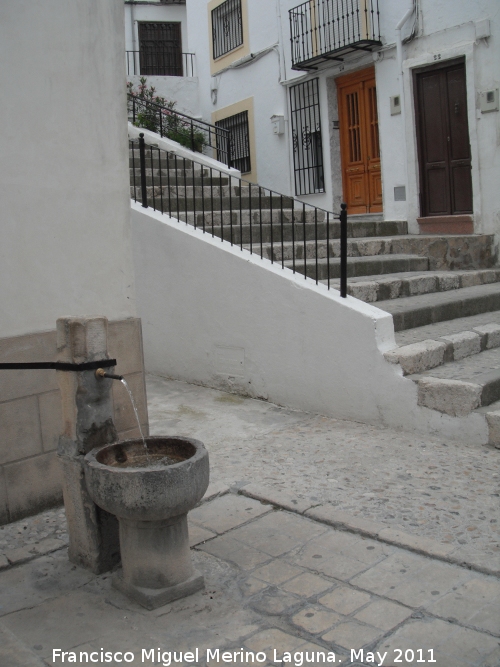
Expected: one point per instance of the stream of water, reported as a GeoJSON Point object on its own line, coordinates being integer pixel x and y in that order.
{"type": "Point", "coordinates": [124, 382]}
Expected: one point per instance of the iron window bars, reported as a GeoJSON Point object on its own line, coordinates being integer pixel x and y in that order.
{"type": "Point", "coordinates": [237, 126]}
{"type": "Point", "coordinates": [320, 28]}
{"type": "Point", "coordinates": [306, 138]}
{"type": "Point", "coordinates": [160, 47]}
{"type": "Point", "coordinates": [227, 27]}
{"type": "Point", "coordinates": [274, 226]}
{"type": "Point", "coordinates": [191, 132]}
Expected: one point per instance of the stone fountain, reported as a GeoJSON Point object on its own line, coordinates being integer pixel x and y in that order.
{"type": "Point", "coordinates": [151, 491]}
{"type": "Point", "coordinates": [125, 499]}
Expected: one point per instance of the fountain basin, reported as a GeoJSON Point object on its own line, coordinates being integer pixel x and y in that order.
{"type": "Point", "coordinates": [151, 496]}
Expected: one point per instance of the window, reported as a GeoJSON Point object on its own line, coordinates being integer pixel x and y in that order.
{"type": "Point", "coordinates": [240, 141]}
{"type": "Point", "coordinates": [160, 49]}
{"type": "Point", "coordinates": [306, 137]}
{"type": "Point", "coordinates": [227, 27]}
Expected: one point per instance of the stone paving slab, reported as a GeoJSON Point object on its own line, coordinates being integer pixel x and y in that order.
{"type": "Point", "coordinates": [391, 605]}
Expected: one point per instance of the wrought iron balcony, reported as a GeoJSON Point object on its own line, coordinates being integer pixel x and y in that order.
{"type": "Point", "coordinates": [322, 30]}
{"type": "Point", "coordinates": [160, 62]}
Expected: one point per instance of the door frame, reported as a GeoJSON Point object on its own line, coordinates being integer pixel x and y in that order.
{"type": "Point", "coordinates": [443, 55]}
{"type": "Point", "coordinates": [442, 64]}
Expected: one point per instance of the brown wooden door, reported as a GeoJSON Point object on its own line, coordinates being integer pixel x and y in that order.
{"type": "Point", "coordinates": [443, 140]}
{"type": "Point", "coordinates": [359, 142]}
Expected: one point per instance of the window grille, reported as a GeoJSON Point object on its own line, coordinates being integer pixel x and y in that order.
{"type": "Point", "coordinates": [237, 126]}
{"type": "Point", "coordinates": [306, 138]}
{"type": "Point", "coordinates": [227, 27]}
{"type": "Point", "coordinates": [160, 49]}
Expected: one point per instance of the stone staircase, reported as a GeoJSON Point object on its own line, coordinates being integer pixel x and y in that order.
{"type": "Point", "coordinates": [442, 291]}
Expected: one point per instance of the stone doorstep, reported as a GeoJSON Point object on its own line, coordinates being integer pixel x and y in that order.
{"type": "Point", "coordinates": [374, 530]}
{"type": "Point", "coordinates": [430, 353]}
{"type": "Point", "coordinates": [446, 224]}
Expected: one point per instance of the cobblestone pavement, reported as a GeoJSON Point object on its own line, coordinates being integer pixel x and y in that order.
{"type": "Point", "coordinates": [423, 486]}
{"type": "Point", "coordinates": [277, 583]}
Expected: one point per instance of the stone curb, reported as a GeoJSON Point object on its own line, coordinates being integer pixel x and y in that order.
{"type": "Point", "coordinates": [275, 497]}
{"type": "Point", "coordinates": [214, 490]}
{"type": "Point", "coordinates": [341, 520]}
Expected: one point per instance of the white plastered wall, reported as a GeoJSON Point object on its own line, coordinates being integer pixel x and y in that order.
{"type": "Point", "coordinates": [64, 201]}
{"type": "Point", "coordinates": [219, 317]}
{"type": "Point", "coordinates": [184, 90]}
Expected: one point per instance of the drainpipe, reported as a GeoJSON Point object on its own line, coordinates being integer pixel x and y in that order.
{"type": "Point", "coordinates": [399, 60]}
{"type": "Point", "coordinates": [132, 21]}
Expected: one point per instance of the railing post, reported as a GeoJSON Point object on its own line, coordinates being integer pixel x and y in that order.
{"type": "Point", "coordinates": [228, 145]}
{"type": "Point", "coordinates": [142, 156]}
{"type": "Point", "coordinates": [192, 136]}
{"type": "Point", "coordinates": [343, 250]}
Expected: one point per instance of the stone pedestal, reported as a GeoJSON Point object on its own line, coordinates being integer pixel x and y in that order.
{"type": "Point", "coordinates": [151, 499]}
{"type": "Point", "coordinates": [87, 423]}
{"type": "Point", "coordinates": [156, 563]}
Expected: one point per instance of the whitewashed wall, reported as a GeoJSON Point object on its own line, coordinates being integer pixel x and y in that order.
{"type": "Point", "coordinates": [260, 79]}
{"type": "Point", "coordinates": [184, 90]}
{"type": "Point", "coordinates": [64, 201]}
{"type": "Point", "coordinates": [148, 12]}
{"type": "Point", "coordinates": [223, 318]}
{"type": "Point", "coordinates": [447, 33]}
{"type": "Point", "coordinates": [443, 30]}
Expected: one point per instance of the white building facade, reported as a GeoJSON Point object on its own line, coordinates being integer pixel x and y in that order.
{"type": "Point", "coordinates": [390, 106]}
{"type": "Point", "coordinates": [157, 47]}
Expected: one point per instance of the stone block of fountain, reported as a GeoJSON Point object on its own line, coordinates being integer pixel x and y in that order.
{"type": "Point", "coordinates": [150, 486]}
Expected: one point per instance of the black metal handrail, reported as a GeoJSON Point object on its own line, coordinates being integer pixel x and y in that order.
{"type": "Point", "coordinates": [320, 28]}
{"type": "Point", "coordinates": [277, 227]}
{"type": "Point", "coordinates": [195, 134]}
{"type": "Point", "coordinates": [160, 62]}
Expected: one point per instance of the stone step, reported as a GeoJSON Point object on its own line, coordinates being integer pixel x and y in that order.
{"type": "Point", "coordinates": [437, 344]}
{"type": "Point", "coordinates": [248, 225]}
{"type": "Point", "coordinates": [394, 286]}
{"type": "Point", "coordinates": [359, 266]}
{"type": "Point", "coordinates": [459, 387]}
{"type": "Point", "coordinates": [448, 328]}
{"type": "Point", "coordinates": [177, 178]}
{"type": "Point", "coordinates": [492, 414]}
{"type": "Point", "coordinates": [213, 202]}
{"type": "Point", "coordinates": [367, 217]}
{"type": "Point", "coordinates": [372, 247]}
{"type": "Point", "coordinates": [163, 162]}
{"type": "Point", "coordinates": [418, 311]}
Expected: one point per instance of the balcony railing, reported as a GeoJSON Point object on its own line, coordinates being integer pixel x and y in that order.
{"type": "Point", "coordinates": [160, 62]}
{"type": "Point", "coordinates": [322, 30]}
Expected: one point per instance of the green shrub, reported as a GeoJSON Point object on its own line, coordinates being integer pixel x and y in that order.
{"type": "Point", "coordinates": [164, 120]}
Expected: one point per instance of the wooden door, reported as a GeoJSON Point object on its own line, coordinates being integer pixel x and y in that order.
{"type": "Point", "coordinates": [359, 142]}
{"type": "Point", "coordinates": [443, 140]}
